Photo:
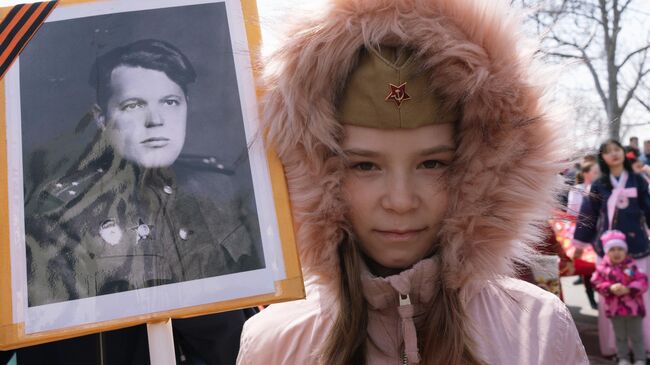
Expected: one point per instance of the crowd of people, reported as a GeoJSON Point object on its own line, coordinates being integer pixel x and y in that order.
{"type": "Point", "coordinates": [610, 202]}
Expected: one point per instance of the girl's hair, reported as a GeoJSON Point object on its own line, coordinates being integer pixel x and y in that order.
{"type": "Point", "coordinates": [604, 169]}
{"type": "Point", "coordinates": [346, 344]}
{"type": "Point", "coordinates": [584, 169]}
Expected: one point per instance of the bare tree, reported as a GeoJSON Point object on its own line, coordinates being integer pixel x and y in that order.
{"type": "Point", "coordinates": [592, 32]}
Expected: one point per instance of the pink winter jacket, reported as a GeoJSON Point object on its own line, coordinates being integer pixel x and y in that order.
{"type": "Point", "coordinates": [626, 273]}
{"type": "Point", "coordinates": [513, 322]}
{"type": "Point", "coordinates": [500, 183]}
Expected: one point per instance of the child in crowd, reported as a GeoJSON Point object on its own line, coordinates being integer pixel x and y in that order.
{"type": "Point", "coordinates": [622, 285]}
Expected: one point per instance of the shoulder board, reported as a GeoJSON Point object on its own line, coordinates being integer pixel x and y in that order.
{"type": "Point", "coordinates": [59, 192]}
{"type": "Point", "coordinates": [204, 163]}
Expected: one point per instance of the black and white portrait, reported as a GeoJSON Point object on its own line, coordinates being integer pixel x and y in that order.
{"type": "Point", "coordinates": [135, 158]}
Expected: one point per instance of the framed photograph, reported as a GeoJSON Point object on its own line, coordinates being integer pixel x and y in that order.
{"type": "Point", "coordinates": [136, 180]}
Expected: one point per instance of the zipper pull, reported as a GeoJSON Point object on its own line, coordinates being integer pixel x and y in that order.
{"type": "Point", "coordinates": [410, 336]}
{"type": "Point", "coordinates": [404, 300]}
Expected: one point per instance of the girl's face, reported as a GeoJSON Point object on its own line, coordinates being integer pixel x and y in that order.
{"type": "Point", "coordinates": [592, 174]}
{"type": "Point", "coordinates": [616, 255]}
{"type": "Point", "coordinates": [613, 155]}
{"type": "Point", "coordinates": [396, 190]}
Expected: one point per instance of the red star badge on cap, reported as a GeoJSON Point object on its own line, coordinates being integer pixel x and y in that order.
{"type": "Point", "coordinates": [397, 94]}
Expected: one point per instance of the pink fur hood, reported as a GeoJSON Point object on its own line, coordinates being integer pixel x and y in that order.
{"type": "Point", "coordinates": [505, 169]}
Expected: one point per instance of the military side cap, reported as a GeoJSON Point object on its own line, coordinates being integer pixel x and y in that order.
{"type": "Point", "coordinates": [388, 89]}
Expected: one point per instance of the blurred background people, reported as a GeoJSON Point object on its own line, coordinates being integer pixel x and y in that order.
{"type": "Point", "coordinates": [589, 172]}
{"type": "Point", "coordinates": [645, 156]}
{"type": "Point", "coordinates": [618, 200]}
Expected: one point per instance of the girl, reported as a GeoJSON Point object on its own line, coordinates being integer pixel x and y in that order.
{"type": "Point", "coordinates": [584, 178]}
{"type": "Point", "coordinates": [622, 284]}
{"type": "Point", "coordinates": [618, 200]}
{"type": "Point", "coordinates": [410, 132]}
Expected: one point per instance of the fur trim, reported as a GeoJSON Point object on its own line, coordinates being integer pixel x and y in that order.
{"type": "Point", "coordinates": [505, 171]}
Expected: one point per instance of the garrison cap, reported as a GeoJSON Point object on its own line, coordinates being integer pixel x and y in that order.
{"type": "Point", "coordinates": [388, 89]}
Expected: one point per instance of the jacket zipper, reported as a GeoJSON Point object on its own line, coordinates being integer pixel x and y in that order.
{"type": "Point", "coordinates": [403, 300]}
{"type": "Point", "coordinates": [405, 360]}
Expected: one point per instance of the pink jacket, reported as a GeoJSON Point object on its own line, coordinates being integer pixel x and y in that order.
{"type": "Point", "coordinates": [500, 183]}
{"type": "Point", "coordinates": [626, 273]}
{"type": "Point", "coordinates": [501, 313]}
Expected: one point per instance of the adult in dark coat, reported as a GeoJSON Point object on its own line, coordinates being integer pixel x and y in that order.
{"type": "Point", "coordinates": [630, 216]}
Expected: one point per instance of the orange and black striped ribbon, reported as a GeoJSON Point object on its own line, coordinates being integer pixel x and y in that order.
{"type": "Point", "coordinates": [18, 27]}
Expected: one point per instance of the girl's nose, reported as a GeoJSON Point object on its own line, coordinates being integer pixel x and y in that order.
{"type": "Point", "coordinates": [400, 195]}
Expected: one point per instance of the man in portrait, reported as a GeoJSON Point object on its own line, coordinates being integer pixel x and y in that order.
{"type": "Point", "coordinates": [131, 211]}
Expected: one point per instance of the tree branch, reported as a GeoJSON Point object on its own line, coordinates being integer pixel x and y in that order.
{"type": "Point", "coordinates": [640, 75]}
{"type": "Point", "coordinates": [603, 17]}
{"type": "Point", "coordinates": [627, 58]}
{"type": "Point", "coordinates": [643, 103]}
{"type": "Point", "coordinates": [575, 45]}
{"type": "Point", "coordinates": [564, 55]}
{"type": "Point", "coordinates": [594, 75]}
{"type": "Point", "coordinates": [630, 92]}
{"type": "Point", "coordinates": [585, 58]}
{"type": "Point", "coordinates": [625, 6]}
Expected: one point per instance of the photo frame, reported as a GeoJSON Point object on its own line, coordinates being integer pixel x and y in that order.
{"type": "Point", "coordinates": [107, 225]}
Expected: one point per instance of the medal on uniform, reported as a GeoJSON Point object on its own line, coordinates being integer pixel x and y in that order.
{"type": "Point", "coordinates": [184, 233]}
{"type": "Point", "coordinates": [110, 232]}
{"type": "Point", "coordinates": [142, 229]}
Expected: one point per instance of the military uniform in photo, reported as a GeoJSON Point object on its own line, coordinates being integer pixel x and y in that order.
{"type": "Point", "coordinates": [108, 225]}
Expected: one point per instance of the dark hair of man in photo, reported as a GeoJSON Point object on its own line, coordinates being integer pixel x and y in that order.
{"type": "Point", "coordinates": [147, 53]}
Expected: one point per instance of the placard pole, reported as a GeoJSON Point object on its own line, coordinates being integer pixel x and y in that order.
{"type": "Point", "coordinates": [161, 343]}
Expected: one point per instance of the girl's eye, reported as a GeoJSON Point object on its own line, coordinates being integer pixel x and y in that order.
{"type": "Point", "coordinates": [430, 164]}
{"type": "Point", "coordinates": [364, 166]}
{"type": "Point", "coordinates": [171, 102]}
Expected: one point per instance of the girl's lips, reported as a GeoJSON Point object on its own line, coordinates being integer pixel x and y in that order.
{"type": "Point", "coordinates": [399, 235]}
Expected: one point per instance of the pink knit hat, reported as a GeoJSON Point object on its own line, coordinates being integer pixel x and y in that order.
{"type": "Point", "coordinates": [613, 238]}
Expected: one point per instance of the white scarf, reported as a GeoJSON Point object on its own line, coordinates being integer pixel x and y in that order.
{"type": "Point", "coordinates": [620, 196]}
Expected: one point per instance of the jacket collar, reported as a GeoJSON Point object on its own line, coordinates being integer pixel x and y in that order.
{"type": "Point", "coordinates": [418, 282]}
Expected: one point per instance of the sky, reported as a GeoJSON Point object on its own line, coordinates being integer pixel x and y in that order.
{"type": "Point", "coordinates": [273, 11]}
